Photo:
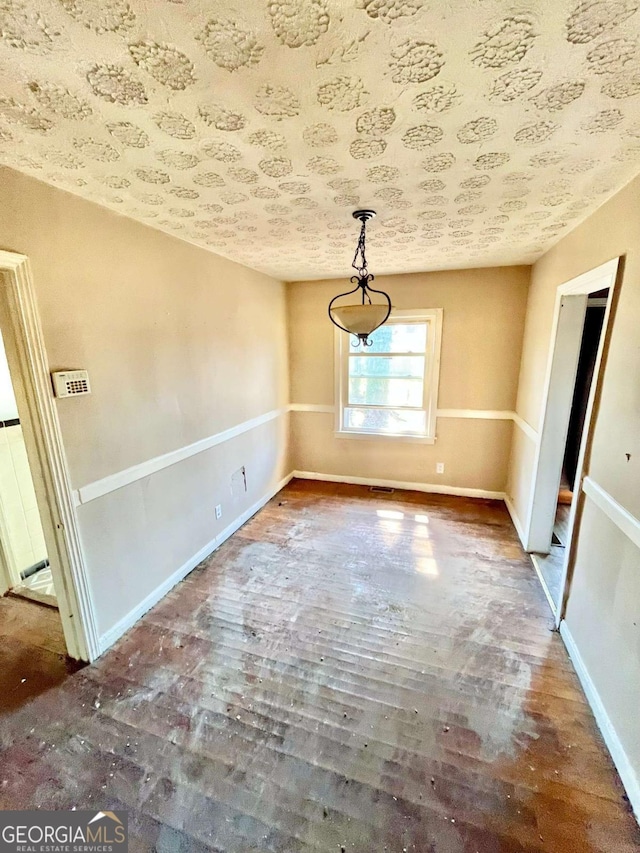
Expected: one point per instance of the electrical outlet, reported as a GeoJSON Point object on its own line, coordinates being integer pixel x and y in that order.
{"type": "Point", "coordinates": [219, 511]}
{"type": "Point", "coordinates": [439, 467]}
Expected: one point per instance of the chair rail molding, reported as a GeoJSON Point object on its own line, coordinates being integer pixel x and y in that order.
{"type": "Point", "coordinates": [476, 414]}
{"type": "Point", "coordinates": [312, 407]}
{"type": "Point", "coordinates": [472, 414]}
{"type": "Point", "coordinates": [99, 488]}
{"type": "Point", "coordinates": [615, 512]}
{"type": "Point", "coordinates": [526, 427]}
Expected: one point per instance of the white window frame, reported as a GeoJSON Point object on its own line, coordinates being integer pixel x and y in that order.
{"type": "Point", "coordinates": [431, 316]}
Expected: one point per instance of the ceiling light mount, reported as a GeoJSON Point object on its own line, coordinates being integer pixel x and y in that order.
{"type": "Point", "coordinates": [363, 215]}
{"type": "Point", "coordinates": [364, 318]}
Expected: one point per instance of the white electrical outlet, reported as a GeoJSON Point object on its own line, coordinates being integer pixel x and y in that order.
{"type": "Point", "coordinates": [439, 467]}
{"type": "Point", "coordinates": [219, 511]}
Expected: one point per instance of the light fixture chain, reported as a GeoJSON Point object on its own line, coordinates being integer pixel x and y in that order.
{"type": "Point", "coordinates": [361, 250]}
{"type": "Point", "coordinates": [361, 320]}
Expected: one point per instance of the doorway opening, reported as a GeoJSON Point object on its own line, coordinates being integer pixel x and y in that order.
{"type": "Point", "coordinates": [23, 551]}
{"type": "Point", "coordinates": [43, 561]}
{"type": "Point", "coordinates": [551, 564]}
{"type": "Point", "coordinates": [581, 320]}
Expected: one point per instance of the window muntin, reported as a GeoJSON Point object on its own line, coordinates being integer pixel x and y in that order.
{"type": "Point", "coordinates": [388, 388]}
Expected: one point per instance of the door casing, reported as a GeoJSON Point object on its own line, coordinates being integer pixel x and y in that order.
{"type": "Point", "coordinates": [24, 343]}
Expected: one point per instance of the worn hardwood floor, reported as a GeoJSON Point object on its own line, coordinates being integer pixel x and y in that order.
{"type": "Point", "coordinates": [349, 672]}
{"type": "Point", "coordinates": [33, 655]}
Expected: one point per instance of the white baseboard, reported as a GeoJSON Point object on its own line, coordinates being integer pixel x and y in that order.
{"type": "Point", "coordinates": [434, 488]}
{"type": "Point", "coordinates": [515, 518]}
{"type": "Point", "coordinates": [627, 773]}
{"type": "Point", "coordinates": [109, 638]}
{"type": "Point", "coordinates": [535, 559]}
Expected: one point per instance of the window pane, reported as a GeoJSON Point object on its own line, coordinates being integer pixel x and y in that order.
{"type": "Point", "coordinates": [386, 392]}
{"type": "Point", "coordinates": [397, 422]}
{"type": "Point", "coordinates": [386, 380]}
{"type": "Point", "coordinates": [391, 367]}
{"type": "Point", "coordinates": [395, 337]}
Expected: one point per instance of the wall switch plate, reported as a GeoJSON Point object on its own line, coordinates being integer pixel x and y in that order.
{"type": "Point", "coordinates": [439, 467]}
{"type": "Point", "coordinates": [219, 511]}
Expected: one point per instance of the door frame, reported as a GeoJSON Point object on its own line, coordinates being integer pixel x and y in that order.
{"type": "Point", "coordinates": [566, 339]}
{"type": "Point", "coordinates": [24, 343]}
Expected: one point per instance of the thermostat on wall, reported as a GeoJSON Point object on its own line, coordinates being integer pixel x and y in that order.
{"type": "Point", "coordinates": [70, 383]}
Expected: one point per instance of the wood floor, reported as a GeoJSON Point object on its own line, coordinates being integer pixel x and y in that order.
{"type": "Point", "coordinates": [349, 672]}
{"type": "Point", "coordinates": [33, 656]}
{"type": "Point", "coordinates": [551, 565]}
{"type": "Point", "coordinates": [561, 524]}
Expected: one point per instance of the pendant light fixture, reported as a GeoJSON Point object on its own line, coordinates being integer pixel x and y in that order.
{"type": "Point", "coordinates": [366, 316]}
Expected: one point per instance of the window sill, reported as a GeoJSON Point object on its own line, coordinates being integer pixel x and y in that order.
{"type": "Point", "coordinates": [381, 436]}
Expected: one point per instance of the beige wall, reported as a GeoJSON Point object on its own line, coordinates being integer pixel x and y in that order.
{"type": "Point", "coordinates": [180, 344]}
{"type": "Point", "coordinates": [483, 323]}
{"type": "Point", "coordinates": [603, 606]}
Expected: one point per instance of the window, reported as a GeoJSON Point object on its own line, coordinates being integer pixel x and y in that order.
{"type": "Point", "coordinates": [390, 388]}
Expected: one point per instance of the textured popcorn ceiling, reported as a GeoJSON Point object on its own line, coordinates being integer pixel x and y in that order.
{"type": "Point", "coordinates": [479, 131]}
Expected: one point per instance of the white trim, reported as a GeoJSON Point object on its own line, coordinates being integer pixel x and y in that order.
{"type": "Point", "coordinates": [408, 485]}
{"type": "Point", "coordinates": [581, 467]}
{"type": "Point", "coordinates": [591, 281]}
{"type": "Point", "coordinates": [564, 345]}
{"type": "Point", "coordinates": [480, 414]}
{"type": "Point", "coordinates": [515, 518]}
{"type": "Point", "coordinates": [112, 482]}
{"type": "Point", "coordinates": [535, 559]}
{"type": "Point", "coordinates": [43, 438]}
{"type": "Point", "coordinates": [109, 637]}
{"type": "Point", "coordinates": [312, 407]}
{"type": "Point", "coordinates": [432, 317]}
{"type": "Point", "coordinates": [385, 436]}
{"type": "Point", "coordinates": [569, 316]}
{"type": "Point", "coordinates": [151, 466]}
{"type": "Point", "coordinates": [526, 427]}
{"type": "Point", "coordinates": [623, 519]}
{"type": "Point", "coordinates": [628, 775]}
{"type": "Point", "coordinates": [466, 414]}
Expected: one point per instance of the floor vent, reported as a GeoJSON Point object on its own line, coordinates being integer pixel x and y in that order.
{"type": "Point", "coordinates": [386, 490]}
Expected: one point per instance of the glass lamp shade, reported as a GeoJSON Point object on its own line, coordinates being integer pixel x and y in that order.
{"type": "Point", "coordinates": [360, 319]}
